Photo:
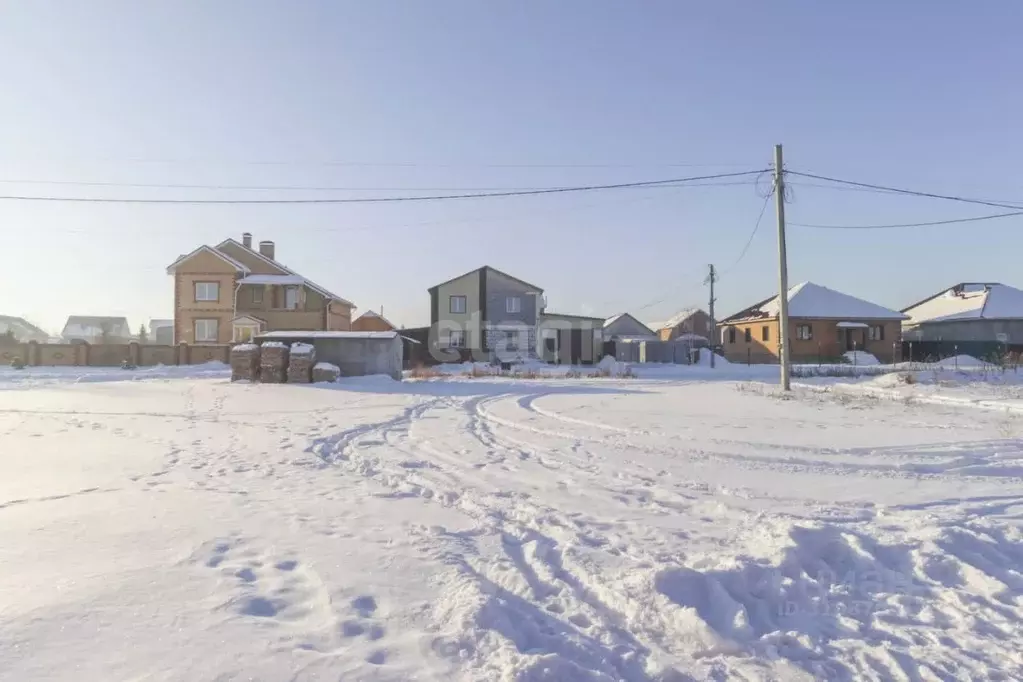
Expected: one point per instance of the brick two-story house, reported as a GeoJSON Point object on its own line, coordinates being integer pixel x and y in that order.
{"type": "Point", "coordinates": [230, 292]}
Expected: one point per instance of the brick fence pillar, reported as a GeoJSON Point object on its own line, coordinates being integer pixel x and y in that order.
{"type": "Point", "coordinates": [134, 353]}
{"type": "Point", "coordinates": [82, 354]}
{"type": "Point", "coordinates": [32, 353]}
{"type": "Point", "coordinates": [183, 354]}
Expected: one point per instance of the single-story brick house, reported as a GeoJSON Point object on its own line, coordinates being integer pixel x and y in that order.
{"type": "Point", "coordinates": [823, 324]}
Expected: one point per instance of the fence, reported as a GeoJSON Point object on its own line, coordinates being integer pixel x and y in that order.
{"type": "Point", "coordinates": [80, 354]}
{"type": "Point", "coordinates": [679, 352]}
{"type": "Point", "coordinates": [990, 351]}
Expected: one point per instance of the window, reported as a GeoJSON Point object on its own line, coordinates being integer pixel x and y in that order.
{"type": "Point", "coordinates": [765, 333]}
{"type": "Point", "coordinates": [458, 305]}
{"type": "Point", "coordinates": [257, 294]}
{"type": "Point", "coordinates": [876, 333]}
{"type": "Point", "coordinates": [513, 304]}
{"type": "Point", "coordinates": [748, 334]}
{"type": "Point", "coordinates": [291, 298]}
{"type": "Point", "coordinates": [511, 340]}
{"type": "Point", "coordinates": [207, 291]}
{"type": "Point", "coordinates": [731, 335]}
{"type": "Point", "coordinates": [456, 337]}
{"type": "Point", "coordinates": [804, 332]}
{"type": "Point", "coordinates": [206, 331]}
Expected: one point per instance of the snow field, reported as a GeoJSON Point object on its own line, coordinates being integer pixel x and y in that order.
{"type": "Point", "coordinates": [494, 529]}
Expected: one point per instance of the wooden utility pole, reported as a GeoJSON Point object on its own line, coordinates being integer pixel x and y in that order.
{"type": "Point", "coordinates": [711, 278]}
{"type": "Point", "coordinates": [783, 270]}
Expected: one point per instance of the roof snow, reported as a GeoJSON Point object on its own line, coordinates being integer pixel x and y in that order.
{"type": "Point", "coordinates": [809, 300]}
{"type": "Point", "coordinates": [676, 319]}
{"type": "Point", "coordinates": [373, 313]}
{"type": "Point", "coordinates": [298, 335]}
{"type": "Point", "coordinates": [979, 301]}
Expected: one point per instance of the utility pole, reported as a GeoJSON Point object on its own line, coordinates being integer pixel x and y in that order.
{"type": "Point", "coordinates": [783, 270]}
{"type": "Point", "coordinates": [711, 278]}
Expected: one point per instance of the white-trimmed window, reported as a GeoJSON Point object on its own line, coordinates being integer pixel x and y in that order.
{"type": "Point", "coordinates": [513, 304]}
{"type": "Point", "coordinates": [291, 298]}
{"type": "Point", "coordinates": [511, 341]}
{"type": "Point", "coordinates": [257, 294]}
{"type": "Point", "coordinates": [207, 291]}
{"type": "Point", "coordinates": [243, 333]}
{"type": "Point", "coordinates": [457, 305]}
{"type": "Point", "coordinates": [876, 332]}
{"type": "Point", "coordinates": [804, 332]}
{"type": "Point", "coordinates": [206, 331]}
{"type": "Point", "coordinates": [456, 338]}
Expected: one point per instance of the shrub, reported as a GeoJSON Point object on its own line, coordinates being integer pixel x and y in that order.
{"type": "Point", "coordinates": [17, 363]}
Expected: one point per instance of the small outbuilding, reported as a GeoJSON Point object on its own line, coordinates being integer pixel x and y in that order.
{"type": "Point", "coordinates": [354, 353]}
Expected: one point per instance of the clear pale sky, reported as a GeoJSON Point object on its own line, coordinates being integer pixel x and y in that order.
{"type": "Point", "coordinates": [526, 93]}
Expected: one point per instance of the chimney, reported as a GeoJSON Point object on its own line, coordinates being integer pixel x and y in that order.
{"type": "Point", "coordinates": [267, 249]}
{"type": "Point", "coordinates": [247, 239]}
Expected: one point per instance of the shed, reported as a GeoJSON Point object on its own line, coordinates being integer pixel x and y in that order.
{"type": "Point", "coordinates": [355, 353]}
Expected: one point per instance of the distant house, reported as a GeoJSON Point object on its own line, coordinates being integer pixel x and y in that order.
{"type": "Point", "coordinates": [968, 312]}
{"type": "Point", "coordinates": [625, 327]}
{"type": "Point", "coordinates": [686, 324]}
{"type": "Point", "coordinates": [492, 316]}
{"type": "Point", "coordinates": [21, 329]}
{"type": "Point", "coordinates": [371, 321]}
{"type": "Point", "coordinates": [161, 332]}
{"type": "Point", "coordinates": [823, 324]}
{"type": "Point", "coordinates": [232, 292]}
{"type": "Point", "coordinates": [97, 329]}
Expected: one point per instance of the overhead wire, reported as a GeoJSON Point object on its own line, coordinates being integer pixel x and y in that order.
{"type": "Point", "coordinates": [392, 199]}
{"type": "Point", "coordinates": [898, 190]}
{"type": "Point", "coordinates": [952, 221]}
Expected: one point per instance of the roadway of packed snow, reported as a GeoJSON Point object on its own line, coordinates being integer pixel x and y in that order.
{"type": "Point", "coordinates": [694, 527]}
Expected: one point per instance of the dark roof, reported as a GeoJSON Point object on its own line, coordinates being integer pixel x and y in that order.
{"type": "Point", "coordinates": [750, 312]}
{"type": "Point", "coordinates": [486, 267]}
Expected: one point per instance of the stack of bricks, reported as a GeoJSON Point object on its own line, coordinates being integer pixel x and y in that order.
{"type": "Point", "coordinates": [300, 365]}
{"type": "Point", "coordinates": [273, 362]}
{"type": "Point", "coordinates": [324, 372]}
{"type": "Point", "coordinates": [245, 362]}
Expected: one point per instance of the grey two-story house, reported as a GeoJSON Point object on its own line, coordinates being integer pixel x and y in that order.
{"type": "Point", "coordinates": [491, 316]}
{"type": "Point", "coordinates": [488, 312]}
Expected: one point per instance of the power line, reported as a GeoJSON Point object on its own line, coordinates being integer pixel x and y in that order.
{"type": "Point", "coordinates": [925, 224]}
{"type": "Point", "coordinates": [753, 234]}
{"type": "Point", "coordinates": [842, 188]}
{"type": "Point", "coordinates": [388, 164]}
{"type": "Point", "coordinates": [366, 200]}
{"type": "Point", "coordinates": [898, 190]}
{"type": "Point", "coordinates": [305, 188]}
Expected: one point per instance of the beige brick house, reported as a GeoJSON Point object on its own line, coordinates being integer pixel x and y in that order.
{"type": "Point", "coordinates": [229, 292]}
{"type": "Point", "coordinates": [823, 325]}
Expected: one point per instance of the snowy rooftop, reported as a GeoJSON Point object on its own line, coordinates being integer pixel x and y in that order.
{"type": "Point", "coordinates": [372, 313]}
{"type": "Point", "coordinates": [811, 300]}
{"type": "Point", "coordinates": [327, 335]}
{"type": "Point", "coordinates": [678, 318]}
{"type": "Point", "coordinates": [991, 301]}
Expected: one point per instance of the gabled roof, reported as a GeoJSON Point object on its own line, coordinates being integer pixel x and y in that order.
{"type": "Point", "coordinates": [486, 267]}
{"type": "Point", "coordinates": [209, 249]}
{"type": "Point", "coordinates": [20, 324]}
{"type": "Point", "coordinates": [96, 323]}
{"type": "Point", "coordinates": [308, 282]}
{"type": "Point", "coordinates": [614, 318]}
{"type": "Point", "coordinates": [969, 301]}
{"type": "Point", "coordinates": [373, 313]}
{"type": "Point", "coordinates": [813, 301]}
{"type": "Point", "coordinates": [678, 318]}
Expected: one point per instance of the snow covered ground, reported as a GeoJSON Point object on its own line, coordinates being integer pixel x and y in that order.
{"type": "Point", "coordinates": [667, 527]}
